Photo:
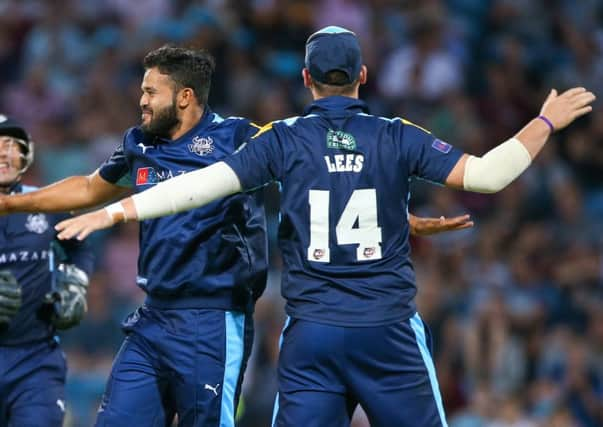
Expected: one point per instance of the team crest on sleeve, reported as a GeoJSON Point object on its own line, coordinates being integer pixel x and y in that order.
{"type": "Point", "coordinates": [36, 223]}
{"type": "Point", "coordinates": [340, 140]}
{"type": "Point", "coordinates": [441, 146]}
{"type": "Point", "coordinates": [201, 146]}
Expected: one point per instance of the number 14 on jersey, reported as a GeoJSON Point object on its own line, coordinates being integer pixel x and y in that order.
{"type": "Point", "coordinates": [360, 210]}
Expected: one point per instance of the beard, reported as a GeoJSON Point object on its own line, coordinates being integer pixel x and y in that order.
{"type": "Point", "coordinates": [162, 122]}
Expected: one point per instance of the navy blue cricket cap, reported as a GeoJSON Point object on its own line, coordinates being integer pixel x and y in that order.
{"type": "Point", "coordinates": [333, 49]}
{"type": "Point", "coordinates": [9, 127]}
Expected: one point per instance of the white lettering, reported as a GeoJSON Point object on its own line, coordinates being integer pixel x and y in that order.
{"type": "Point", "coordinates": [330, 166]}
{"type": "Point", "coordinates": [340, 162]}
{"type": "Point", "coordinates": [349, 162]}
{"type": "Point", "coordinates": [22, 256]}
{"type": "Point", "coordinates": [358, 161]}
{"type": "Point", "coordinates": [345, 163]}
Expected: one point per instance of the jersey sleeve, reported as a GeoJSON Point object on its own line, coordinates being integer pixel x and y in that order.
{"type": "Point", "coordinates": [258, 161]}
{"type": "Point", "coordinates": [116, 169]}
{"type": "Point", "coordinates": [427, 157]}
{"type": "Point", "coordinates": [244, 132]}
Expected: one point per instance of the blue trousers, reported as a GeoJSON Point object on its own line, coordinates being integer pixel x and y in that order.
{"type": "Point", "coordinates": [32, 385]}
{"type": "Point", "coordinates": [325, 371]}
{"type": "Point", "coordinates": [184, 362]}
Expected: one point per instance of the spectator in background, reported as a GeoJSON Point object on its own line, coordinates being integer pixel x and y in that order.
{"type": "Point", "coordinates": [474, 35]}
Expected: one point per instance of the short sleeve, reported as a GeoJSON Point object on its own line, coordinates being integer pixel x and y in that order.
{"type": "Point", "coordinates": [258, 161]}
{"type": "Point", "coordinates": [427, 157]}
{"type": "Point", "coordinates": [116, 169]}
{"type": "Point", "coordinates": [244, 132]}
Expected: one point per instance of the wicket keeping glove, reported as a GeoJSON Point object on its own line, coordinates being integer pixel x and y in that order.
{"type": "Point", "coordinates": [10, 297]}
{"type": "Point", "coordinates": [69, 297]}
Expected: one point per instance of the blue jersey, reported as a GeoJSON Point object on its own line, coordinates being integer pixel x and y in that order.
{"type": "Point", "coordinates": [25, 241]}
{"type": "Point", "coordinates": [344, 221]}
{"type": "Point", "coordinates": [210, 257]}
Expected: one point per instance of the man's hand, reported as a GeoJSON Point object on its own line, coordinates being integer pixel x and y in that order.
{"type": "Point", "coordinates": [81, 226]}
{"type": "Point", "coordinates": [563, 109]}
{"type": "Point", "coordinates": [427, 226]}
{"type": "Point", "coordinates": [10, 297]}
{"type": "Point", "coordinates": [69, 297]}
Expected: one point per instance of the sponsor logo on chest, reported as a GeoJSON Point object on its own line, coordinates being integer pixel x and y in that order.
{"type": "Point", "coordinates": [149, 175]}
{"type": "Point", "coordinates": [22, 256]}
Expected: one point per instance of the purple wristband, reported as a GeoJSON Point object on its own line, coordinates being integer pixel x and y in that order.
{"type": "Point", "coordinates": [547, 121]}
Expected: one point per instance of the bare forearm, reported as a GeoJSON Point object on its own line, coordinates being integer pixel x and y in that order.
{"type": "Point", "coordinates": [76, 192]}
{"type": "Point", "coordinates": [533, 136]}
{"type": "Point", "coordinates": [500, 166]}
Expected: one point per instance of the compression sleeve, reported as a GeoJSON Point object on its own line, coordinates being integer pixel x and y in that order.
{"type": "Point", "coordinates": [497, 168]}
{"type": "Point", "coordinates": [187, 191]}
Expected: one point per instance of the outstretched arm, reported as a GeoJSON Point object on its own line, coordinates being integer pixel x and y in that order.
{"type": "Point", "coordinates": [76, 192]}
{"type": "Point", "coordinates": [487, 174]}
{"type": "Point", "coordinates": [504, 163]}
{"type": "Point", "coordinates": [178, 194]}
{"type": "Point", "coordinates": [420, 226]}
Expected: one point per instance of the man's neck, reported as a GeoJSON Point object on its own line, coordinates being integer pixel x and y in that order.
{"type": "Point", "coordinates": [316, 95]}
{"type": "Point", "coordinates": [189, 120]}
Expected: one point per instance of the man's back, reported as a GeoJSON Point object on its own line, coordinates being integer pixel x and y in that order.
{"type": "Point", "coordinates": [344, 228]}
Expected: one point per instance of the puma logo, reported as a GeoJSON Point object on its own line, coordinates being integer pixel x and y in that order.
{"type": "Point", "coordinates": [144, 147]}
{"type": "Point", "coordinates": [214, 389]}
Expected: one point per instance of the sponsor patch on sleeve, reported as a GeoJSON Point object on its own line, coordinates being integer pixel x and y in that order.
{"type": "Point", "coordinates": [441, 146]}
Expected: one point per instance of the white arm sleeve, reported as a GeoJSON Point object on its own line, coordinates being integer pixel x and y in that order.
{"type": "Point", "coordinates": [497, 168]}
{"type": "Point", "coordinates": [187, 191]}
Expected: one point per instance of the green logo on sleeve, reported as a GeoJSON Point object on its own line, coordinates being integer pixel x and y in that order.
{"type": "Point", "coordinates": [340, 140]}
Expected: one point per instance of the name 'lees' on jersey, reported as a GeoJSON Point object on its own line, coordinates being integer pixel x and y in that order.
{"type": "Point", "coordinates": [344, 222]}
{"type": "Point", "coordinates": [209, 257]}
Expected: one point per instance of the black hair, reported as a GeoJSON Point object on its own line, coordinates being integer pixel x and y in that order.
{"type": "Point", "coordinates": [191, 68]}
{"type": "Point", "coordinates": [336, 83]}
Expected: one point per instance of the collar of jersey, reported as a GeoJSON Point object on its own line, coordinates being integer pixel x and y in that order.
{"type": "Point", "coordinates": [337, 104]}
{"type": "Point", "coordinates": [205, 120]}
{"type": "Point", "coordinates": [16, 188]}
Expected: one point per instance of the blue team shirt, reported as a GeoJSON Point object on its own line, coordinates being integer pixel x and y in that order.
{"type": "Point", "coordinates": [209, 257]}
{"type": "Point", "coordinates": [344, 226]}
{"type": "Point", "coordinates": [25, 240]}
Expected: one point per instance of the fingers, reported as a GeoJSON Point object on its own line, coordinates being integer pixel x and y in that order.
{"type": "Point", "coordinates": [573, 92]}
{"type": "Point", "coordinates": [457, 220]}
{"type": "Point", "coordinates": [468, 224]}
{"type": "Point", "coordinates": [81, 226]}
{"type": "Point", "coordinates": [552, 95]}
{"type": "Point", "coordinates": [459, 223]}
{"type": "Point", "coordinates": [70, 228]}
{"type": "Point", "coordinates": [582, 111]}
{"type": "Point", "coordinates": [568, 106]}
{"type": "Point", "coordinates": [583, 99]}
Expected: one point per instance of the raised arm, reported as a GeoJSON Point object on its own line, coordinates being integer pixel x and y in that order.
{"type": "Point", "coordinates": [76, 192]}
{"type": "Point", "coordinates": [175, 195]}
{"type": "Point", "coordinates": [503, 164]}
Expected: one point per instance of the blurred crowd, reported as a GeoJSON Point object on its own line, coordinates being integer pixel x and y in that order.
{"type": "Point", "coordinates": [515, 304]}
